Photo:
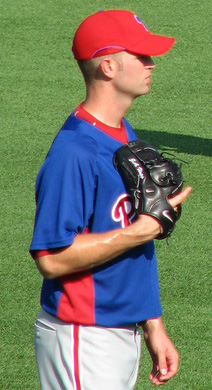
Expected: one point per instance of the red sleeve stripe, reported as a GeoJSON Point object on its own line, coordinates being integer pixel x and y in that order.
{"type": "Point", "coordinates": [42, 253]}
{"type": "Point", "coordinates": [45, 252]}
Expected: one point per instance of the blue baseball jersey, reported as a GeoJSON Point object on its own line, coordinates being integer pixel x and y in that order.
{"type": "Point", "coordinates": [78, 190]}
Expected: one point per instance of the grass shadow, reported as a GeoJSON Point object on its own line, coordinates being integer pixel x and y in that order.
{"type": "Point", "coordinates": [177, 142]}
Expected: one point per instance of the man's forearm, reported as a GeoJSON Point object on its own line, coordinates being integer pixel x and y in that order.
{"type": "Point", "coordinates": [152, 325]}
{"type": "Point", "coordinates": [91, 250]}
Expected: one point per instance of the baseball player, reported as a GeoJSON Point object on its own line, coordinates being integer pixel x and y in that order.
{"type": "Point", "coordinates": [97, 258]}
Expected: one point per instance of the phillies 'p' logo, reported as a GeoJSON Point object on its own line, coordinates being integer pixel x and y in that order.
{"type": "Point", "coordinates": [122, 210]}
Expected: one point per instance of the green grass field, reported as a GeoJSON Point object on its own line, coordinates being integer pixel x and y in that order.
{"type": "Point", "coordinates": [40, 85]}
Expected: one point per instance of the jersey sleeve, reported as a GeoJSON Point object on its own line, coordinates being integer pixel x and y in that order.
{"type": "Point", "coordinates": [65, 193]}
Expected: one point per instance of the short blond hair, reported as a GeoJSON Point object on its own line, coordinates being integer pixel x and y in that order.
{"type": "Point", "coordinates": [91, 68]}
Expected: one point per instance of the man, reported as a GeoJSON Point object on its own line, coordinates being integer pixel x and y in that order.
{"type": "Point", "coordinates": [97, 259]}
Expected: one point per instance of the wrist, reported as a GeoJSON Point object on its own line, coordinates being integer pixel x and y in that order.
{"type": "Point", "coordinates": [144, 229]}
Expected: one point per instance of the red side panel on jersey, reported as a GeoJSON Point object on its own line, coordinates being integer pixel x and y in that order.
{"type": "Point", "coordinates": [77, 300]}
{"type": "Point", "coordinates": [76, 303]}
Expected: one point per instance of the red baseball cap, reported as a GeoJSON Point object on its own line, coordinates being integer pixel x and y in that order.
{"type": "Point", "coordinates": [107, 32]}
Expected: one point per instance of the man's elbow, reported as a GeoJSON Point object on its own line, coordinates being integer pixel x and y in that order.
{"type": "Point", "coordinates": [46, 267]}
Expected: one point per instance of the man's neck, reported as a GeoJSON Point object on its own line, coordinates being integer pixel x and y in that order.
{"type": "Point", "coordinates": [106, 107]}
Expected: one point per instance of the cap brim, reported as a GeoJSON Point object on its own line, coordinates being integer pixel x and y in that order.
{"type": "Point", "coordinates": [153, 45]}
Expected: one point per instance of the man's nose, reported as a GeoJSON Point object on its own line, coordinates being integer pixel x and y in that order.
{"type": "Point", "coordinates": [149, 63]}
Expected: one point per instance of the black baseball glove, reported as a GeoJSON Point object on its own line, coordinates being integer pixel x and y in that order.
{"type": "Point", "coordinates": [150, 179]}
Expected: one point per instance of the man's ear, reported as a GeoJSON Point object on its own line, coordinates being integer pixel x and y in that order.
{"type": "Point", "coordinates": [107, 66]}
